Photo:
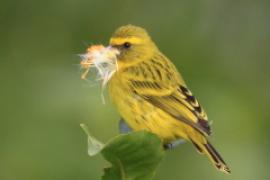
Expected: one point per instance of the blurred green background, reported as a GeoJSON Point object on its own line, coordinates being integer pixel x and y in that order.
{"type": "Point", "coordinates": [221, 47]}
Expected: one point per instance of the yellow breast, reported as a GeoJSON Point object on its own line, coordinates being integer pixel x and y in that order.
{"type": "Point", "coordinates": [140, 114]}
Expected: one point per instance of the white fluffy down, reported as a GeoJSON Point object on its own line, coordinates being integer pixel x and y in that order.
{"type": "Point", "coordinates": [104, 60]}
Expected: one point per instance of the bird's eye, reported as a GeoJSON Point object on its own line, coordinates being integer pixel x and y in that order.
{"type": "Point", "coordinates": [127, 45]}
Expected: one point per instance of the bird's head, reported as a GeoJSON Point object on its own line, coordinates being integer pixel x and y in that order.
{"type": "Point", "coordinates": [134, 45]}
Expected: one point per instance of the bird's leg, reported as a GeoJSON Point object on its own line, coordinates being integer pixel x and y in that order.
{"type": "Point", "coordinates": [173, 144]}
{"type": "Point", "coordinates": [123, 127]}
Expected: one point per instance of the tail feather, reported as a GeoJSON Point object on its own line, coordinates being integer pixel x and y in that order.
{"type": "Point", "coordinates": [219, 162]}
{"type": "Point", "coordinates": [213, 155]}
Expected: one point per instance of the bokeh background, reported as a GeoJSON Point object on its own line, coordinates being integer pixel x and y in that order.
{"type": "Point", "coordinates": [221, 47]}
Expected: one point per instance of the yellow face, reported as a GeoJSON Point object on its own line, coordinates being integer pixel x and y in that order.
{"type": "Point", "coordinates": [133, 43]}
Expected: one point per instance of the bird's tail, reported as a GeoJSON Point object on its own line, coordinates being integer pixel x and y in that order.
{"type": "Point", "coordinates": [213, 155]}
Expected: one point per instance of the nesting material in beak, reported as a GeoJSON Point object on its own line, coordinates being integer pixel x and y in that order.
{"type": "Point", "coordinates": [103, 59]}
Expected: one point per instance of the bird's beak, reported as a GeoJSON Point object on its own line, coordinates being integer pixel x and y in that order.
{"type": "Point", "coordinates": [113, 51]}
{"type": "Point", "coordinates": [100, 57]}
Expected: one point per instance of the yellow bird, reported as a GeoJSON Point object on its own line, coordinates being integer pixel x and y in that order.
{"type": "Point", "coordinates": [151, 95]}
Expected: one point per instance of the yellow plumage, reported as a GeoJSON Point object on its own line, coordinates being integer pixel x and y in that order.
{"type": "Point", "coordinates": [151, 95]}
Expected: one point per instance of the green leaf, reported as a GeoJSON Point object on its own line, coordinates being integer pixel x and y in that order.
{"type": "Point", "coordinates": [94, 146]}
{"type": "Point", "coordinates": [132, 156]}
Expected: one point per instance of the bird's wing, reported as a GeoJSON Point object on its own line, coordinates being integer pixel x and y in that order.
{"type": "Point", "coordinates": [182, 106]}
{"type": "Point", "coordinates": [164, 88]}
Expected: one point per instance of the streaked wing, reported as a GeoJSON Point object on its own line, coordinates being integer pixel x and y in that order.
{"type": "Point", "coordinates": [159, 83]}
{"type": "Point", "coordinates": [182, 107]}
